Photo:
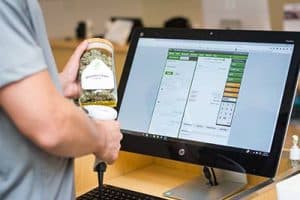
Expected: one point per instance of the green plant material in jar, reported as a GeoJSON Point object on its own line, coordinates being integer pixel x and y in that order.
{"type": "Point", "coordinates": [97, 75]}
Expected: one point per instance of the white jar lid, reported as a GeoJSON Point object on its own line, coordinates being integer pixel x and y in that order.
{"type": "Point", "coordinates": [101, 112]}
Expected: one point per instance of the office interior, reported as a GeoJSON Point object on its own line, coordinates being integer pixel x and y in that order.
{"type": "Point", "coordinates": [143, 173]}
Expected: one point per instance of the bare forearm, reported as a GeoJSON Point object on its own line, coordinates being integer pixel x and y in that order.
{"type": "Point", "coordinates": [76, 134]}
{"type": "Point", "coordinates": [56, 125]}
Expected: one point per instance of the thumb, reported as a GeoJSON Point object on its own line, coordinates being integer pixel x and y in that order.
{"type": "Point", "coordinates": [71, 67]}
{"type": "Point", "coordinates": [79, 50]}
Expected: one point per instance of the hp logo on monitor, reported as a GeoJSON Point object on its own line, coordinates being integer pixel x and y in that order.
{"type": "Point", "coordinates": [181, 152]}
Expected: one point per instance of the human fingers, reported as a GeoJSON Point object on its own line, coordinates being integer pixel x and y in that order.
{"type": "Point", "coordinates": [79, 50]}
{"type": "Point", "coordinates": [72, 66]}
{"type": "Point", "coordinates": [111, 137]}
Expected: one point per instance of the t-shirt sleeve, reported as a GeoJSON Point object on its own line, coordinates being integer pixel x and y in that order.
{"type": "Point", "coordinates": [20, 55]}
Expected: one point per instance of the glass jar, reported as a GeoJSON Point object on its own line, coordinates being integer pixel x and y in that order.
{"type": "Point", "coordinates": [97, 74]}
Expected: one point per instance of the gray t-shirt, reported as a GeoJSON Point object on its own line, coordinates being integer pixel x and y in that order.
{"type": "Point", "coordinates": [26, 171]}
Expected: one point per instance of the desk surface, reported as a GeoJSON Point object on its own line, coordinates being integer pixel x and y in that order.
{"type": "Point", "coordinates": [155, 180]}
{"type": "Point", "coordinates": [269, 191]}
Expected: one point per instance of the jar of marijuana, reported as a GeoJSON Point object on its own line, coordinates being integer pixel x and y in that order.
{"type": "Point", "coordinates": [97, 74]}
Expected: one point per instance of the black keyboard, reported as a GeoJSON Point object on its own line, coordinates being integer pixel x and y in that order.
{"type": "Point", "coordinates": [115, 193]}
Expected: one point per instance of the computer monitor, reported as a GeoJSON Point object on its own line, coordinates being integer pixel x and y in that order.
{"type": "Point", "coordinates": [217, 98]}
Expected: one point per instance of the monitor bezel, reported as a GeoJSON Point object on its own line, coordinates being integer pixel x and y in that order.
{"type": "Point", "coordinates": [218, 156]}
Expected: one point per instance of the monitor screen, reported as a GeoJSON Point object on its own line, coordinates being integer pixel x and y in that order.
{"type": "Point", "coordinates": [207, 96]}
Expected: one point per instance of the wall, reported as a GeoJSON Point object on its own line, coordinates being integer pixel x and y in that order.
{"type": "Point", "coordinates": [155, 12]}
{"type": "Point", "coordinates": [276, 6]}
{"type": "Point", "coordinates": [62, 15]}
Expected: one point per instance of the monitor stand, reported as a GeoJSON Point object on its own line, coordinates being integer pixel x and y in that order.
{"type": "Point", "coordinates": [229, 183]}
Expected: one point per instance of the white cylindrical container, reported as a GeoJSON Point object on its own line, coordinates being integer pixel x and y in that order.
{"type": "Point", "coordinates": [295, 152]}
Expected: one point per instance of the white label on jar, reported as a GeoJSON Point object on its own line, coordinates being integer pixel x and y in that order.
{"type": "Point", "coordinates": [97, 75]}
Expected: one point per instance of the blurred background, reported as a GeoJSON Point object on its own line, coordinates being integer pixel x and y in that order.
{"type": "Point", "coordinates": [62, 16]}
{"type": "Point", "coordinates": [71, 19]}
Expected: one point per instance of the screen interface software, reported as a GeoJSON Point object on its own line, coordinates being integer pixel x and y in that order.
{"type": "Point", "coordinates": [223, 93]}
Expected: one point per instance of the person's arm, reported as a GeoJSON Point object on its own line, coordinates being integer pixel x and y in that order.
{"type": "Point", "coordinates": [54, 123]}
